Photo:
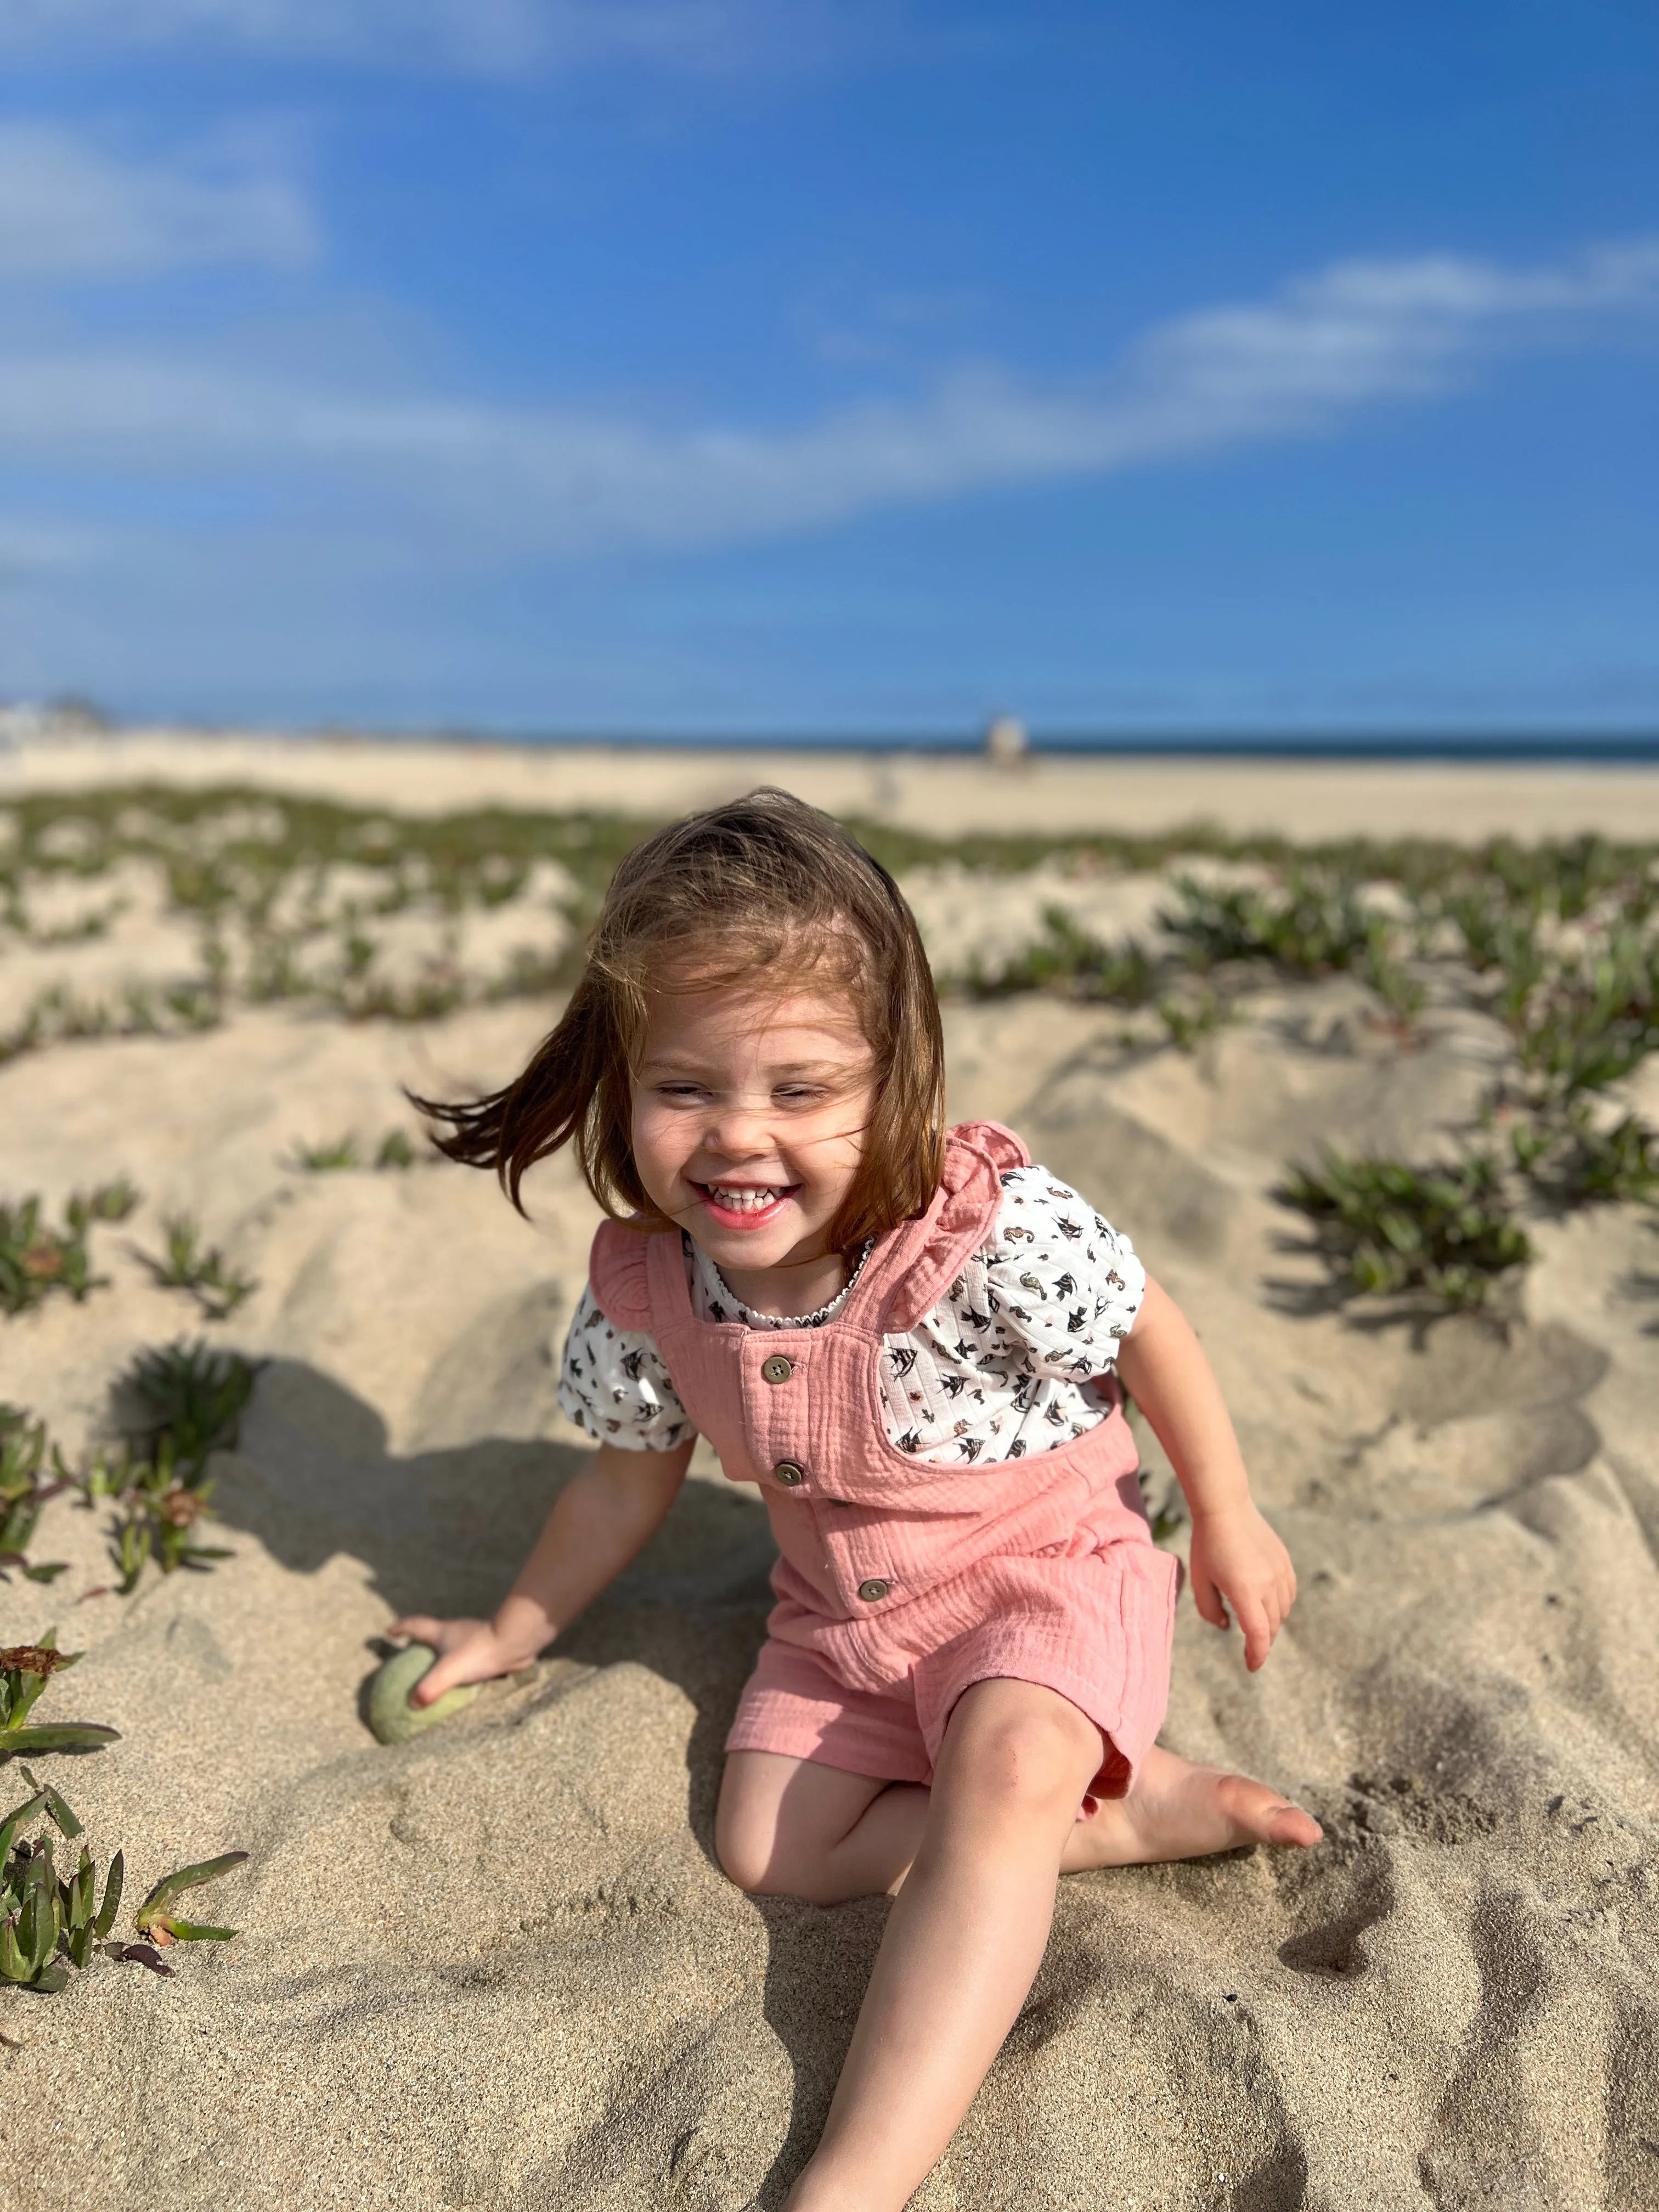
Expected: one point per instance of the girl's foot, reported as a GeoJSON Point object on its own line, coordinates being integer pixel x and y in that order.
{"type": "Point", "coordinates": [1180, 1811]}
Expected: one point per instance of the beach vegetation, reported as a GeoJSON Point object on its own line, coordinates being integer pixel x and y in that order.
{"type": "Point", "coordinates": [187, 1263]}
{"type": "Point", "coordinates": [394, 1152]}
{"type": "Point", "coordinates": [29, 1475]}
{"type": "Point", "coordinates": [193, 1395]}
{"type": "Point", "coordinates": [328, 1157]}
{"type": "Point", "coordinates": [1402, 990]}
{"type": "Point", "coordinates": [25, 1670]}
{"type": "Point", "coordinates": [188, 1401]}
{"type": "Point", "coordinates": [1069, 961]}
{"type": "Point", "coordinates": [290, 897]}
{"type": "Point", "coordinates": [1575, 1159]}
{"type": "Point", "coordinates": [1191, 1018]}
{"type": "Point", "coordinates": [1309, 920]}
{"type": "Point", "coordinates": [1586, 1020]}
{"type": "Point", "coordinates": [1386, 1227]}
{"type": "Point", "coordinates": [38, 1257]}
{"type": "Point", "coordinates": [54, 1923]}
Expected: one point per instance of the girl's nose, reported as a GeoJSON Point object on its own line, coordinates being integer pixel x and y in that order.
{"type": "Point", "coordinates": [737, 1130]}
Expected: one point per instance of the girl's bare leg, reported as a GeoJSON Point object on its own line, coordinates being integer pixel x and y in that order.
{"type": "Point", "coordinates": [794, 1828]}
{"type": "Point", "coordinates": [962, 1946]}
{"type": "Point", "coordinates": [981, 1855]}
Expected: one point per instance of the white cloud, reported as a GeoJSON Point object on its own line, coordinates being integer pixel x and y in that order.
{"type": "Point", "coordinates": [69, 208]}
{"type": "Point", "coordinates": [485, 36]}
{"type": "Point", "coordinates": [501, 481]}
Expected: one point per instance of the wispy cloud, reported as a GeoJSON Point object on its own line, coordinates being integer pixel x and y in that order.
{"type": "Point", "coordinates": [486, 37]}
{"type": "Point", "coordinates": [71, 207]}
{"type": "Point", "coordinates": [1302, 362]}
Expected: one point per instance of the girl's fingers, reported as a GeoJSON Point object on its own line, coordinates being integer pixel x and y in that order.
{"type": "Point", "coordinates": [1259, 1629]}
{"type": "Point", "coordinates": [419, 1627]}
{"type": "Point", "coordinates": [444, 1675]}
{"type": "Point", "coordinates": [1207, 1598]}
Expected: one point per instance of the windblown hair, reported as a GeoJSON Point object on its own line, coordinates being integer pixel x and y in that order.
{"type": "Point", "coordinates": [766, 892]}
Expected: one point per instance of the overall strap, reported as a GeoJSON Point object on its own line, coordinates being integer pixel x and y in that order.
{"type": "Point", "coordinates": [927, 1256]}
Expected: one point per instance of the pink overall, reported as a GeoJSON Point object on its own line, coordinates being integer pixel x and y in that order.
{"type": "Point", "coordinates": [901, 1584]}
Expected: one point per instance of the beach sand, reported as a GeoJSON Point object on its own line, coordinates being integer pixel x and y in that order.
{"type": "Point", "coordinates": [496, 1966]}
{"type": "Point", "coordinates": [941, 795]}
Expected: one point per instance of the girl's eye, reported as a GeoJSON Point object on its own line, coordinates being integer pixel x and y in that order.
{"type": "Point", "coordinates": [799, 1094]}
{"type": "Point", "coordinates": [680, 1092]}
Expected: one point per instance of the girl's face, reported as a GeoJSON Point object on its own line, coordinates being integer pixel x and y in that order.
{"type": "Point", "coordinates": [751, 1109]}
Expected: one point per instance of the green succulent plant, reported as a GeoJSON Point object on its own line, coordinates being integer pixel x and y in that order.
{"type": "Point", "coordinates": [155, 1918]}
{"type": "Point", "coordinates": [322, 1159]}
{"type": "Point", "coordinates": [192, 1398]}
{"type": "Point", "coordinates": [37, 1259]}
{"type": "Point", "coordinates": [51, 1922]}
{"type": "Point", "coordinates": [28, 1477]}
{"type": "Point", "coordinates": [25, 1670]}
{"type": "Point", "coordinates": [1386, 1227]}
{"type": "Point", "coordinates": [1310, 921]}
{"type": "Point", "coordinates": [1071, 961]}
{"type": "Point", "coordinates": [190, 1264]}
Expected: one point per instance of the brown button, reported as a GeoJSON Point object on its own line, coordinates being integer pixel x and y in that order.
{"type": "Point", "coordinates": [789, 1474]}
{"type": "Point", "coordinates": [874, 1590]}
{"type": "Point", "coordinates": [777, 1368]}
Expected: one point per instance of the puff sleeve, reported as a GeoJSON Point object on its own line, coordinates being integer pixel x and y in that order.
{"type": "Point", "coordinates": [614, 1385]}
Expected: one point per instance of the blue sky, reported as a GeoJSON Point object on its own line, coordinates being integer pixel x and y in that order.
{"type": "Point", "coordinates": [736, 366]}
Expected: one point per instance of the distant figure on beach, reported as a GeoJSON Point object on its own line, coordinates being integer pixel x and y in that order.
{"type": "Point", "coordinates": [915, 1342]}
{"type": "Point", "coordinates": [1006, 744]}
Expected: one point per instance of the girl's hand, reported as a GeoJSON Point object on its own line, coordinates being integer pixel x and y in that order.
{"type": "Point", "coordinates": [1237, 1559]}
{"type": "Point", "coordinates": [468, 1651]}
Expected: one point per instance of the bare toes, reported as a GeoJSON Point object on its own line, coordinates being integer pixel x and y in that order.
{"type": "Point", "coordinates": [1289, 1824]}
{"type": "Point", "coordinates": [1270, 1818]}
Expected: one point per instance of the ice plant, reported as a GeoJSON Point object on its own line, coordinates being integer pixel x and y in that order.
{"type": "Point", "coordinates": [51, 1922]}
{"type": "Point", "coordinates": [25, 1670]}
{"type": "Point", "coordinates": [194, 1398]}
{"type": "Point", "coordinates": [1385, 1226]}
{"type": "Point", "coordinates": [188, 1264]}
{"type": "Point", "coordinates": [25, 1486]}
{"type": "Point", "coordinates": [36, 1259]}
{"type": "Point", "coordinates": [154, 1919]}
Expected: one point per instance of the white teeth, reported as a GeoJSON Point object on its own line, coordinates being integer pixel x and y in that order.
{"type": "Point", "coordinates": [742, 1201]}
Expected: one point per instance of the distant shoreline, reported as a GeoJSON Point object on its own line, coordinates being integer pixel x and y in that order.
{"type": "Point", "coordinates": [939, 794]}
{"type": "Point", "coordinates": [1495, 748]}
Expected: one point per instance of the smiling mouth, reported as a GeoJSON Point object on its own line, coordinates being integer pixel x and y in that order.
{"type": "Point", "coordinates": [749, 1200]}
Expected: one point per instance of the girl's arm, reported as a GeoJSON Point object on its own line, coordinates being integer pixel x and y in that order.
{"type": "Point", "coordinates": [603, 1517]}
{"type": "Point", "coordinates": [1236, 1558]}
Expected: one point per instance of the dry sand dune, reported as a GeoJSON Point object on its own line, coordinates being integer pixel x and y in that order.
{"type": "Point", "coordinates": [496, 1966]}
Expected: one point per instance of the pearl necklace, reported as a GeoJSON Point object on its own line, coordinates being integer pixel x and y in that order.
{"type": "Point", "coordinates": [800, 1320]}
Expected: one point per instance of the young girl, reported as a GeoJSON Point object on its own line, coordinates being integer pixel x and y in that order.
{"type": "Point", "coordinates": [910, 1339]}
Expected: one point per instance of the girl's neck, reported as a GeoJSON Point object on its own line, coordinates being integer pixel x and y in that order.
{"type": "Point", "coordinates": [801, 1288]}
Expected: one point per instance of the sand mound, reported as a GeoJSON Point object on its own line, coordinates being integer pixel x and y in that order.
{"type": "Point", "coordinates": [497, 1967]}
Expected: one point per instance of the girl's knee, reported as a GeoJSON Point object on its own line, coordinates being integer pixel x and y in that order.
{"type": "Point", "coordinates": [745, 1853]}
{"type": "Point", "coordinates": [1036, 1753]}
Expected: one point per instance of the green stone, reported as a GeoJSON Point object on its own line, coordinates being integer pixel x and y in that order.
{"type": "Point", "coordinates": [390, 1714]}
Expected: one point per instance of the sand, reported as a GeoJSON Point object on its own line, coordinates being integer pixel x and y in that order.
{"type": "Point", "coordinates": [941, 795]}
{"type": "Point", "coordinates": [497, 1967]}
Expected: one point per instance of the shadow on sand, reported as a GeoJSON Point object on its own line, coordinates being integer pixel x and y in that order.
{"type": "Point", "coordinates": [445, 1531]}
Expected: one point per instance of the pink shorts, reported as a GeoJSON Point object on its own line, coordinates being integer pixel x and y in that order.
{"type": "Point", "coordinates": [1096, 1631]}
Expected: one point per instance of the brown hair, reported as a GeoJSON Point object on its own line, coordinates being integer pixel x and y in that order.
{"type": "Point", "coordinates": [764, 888]}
